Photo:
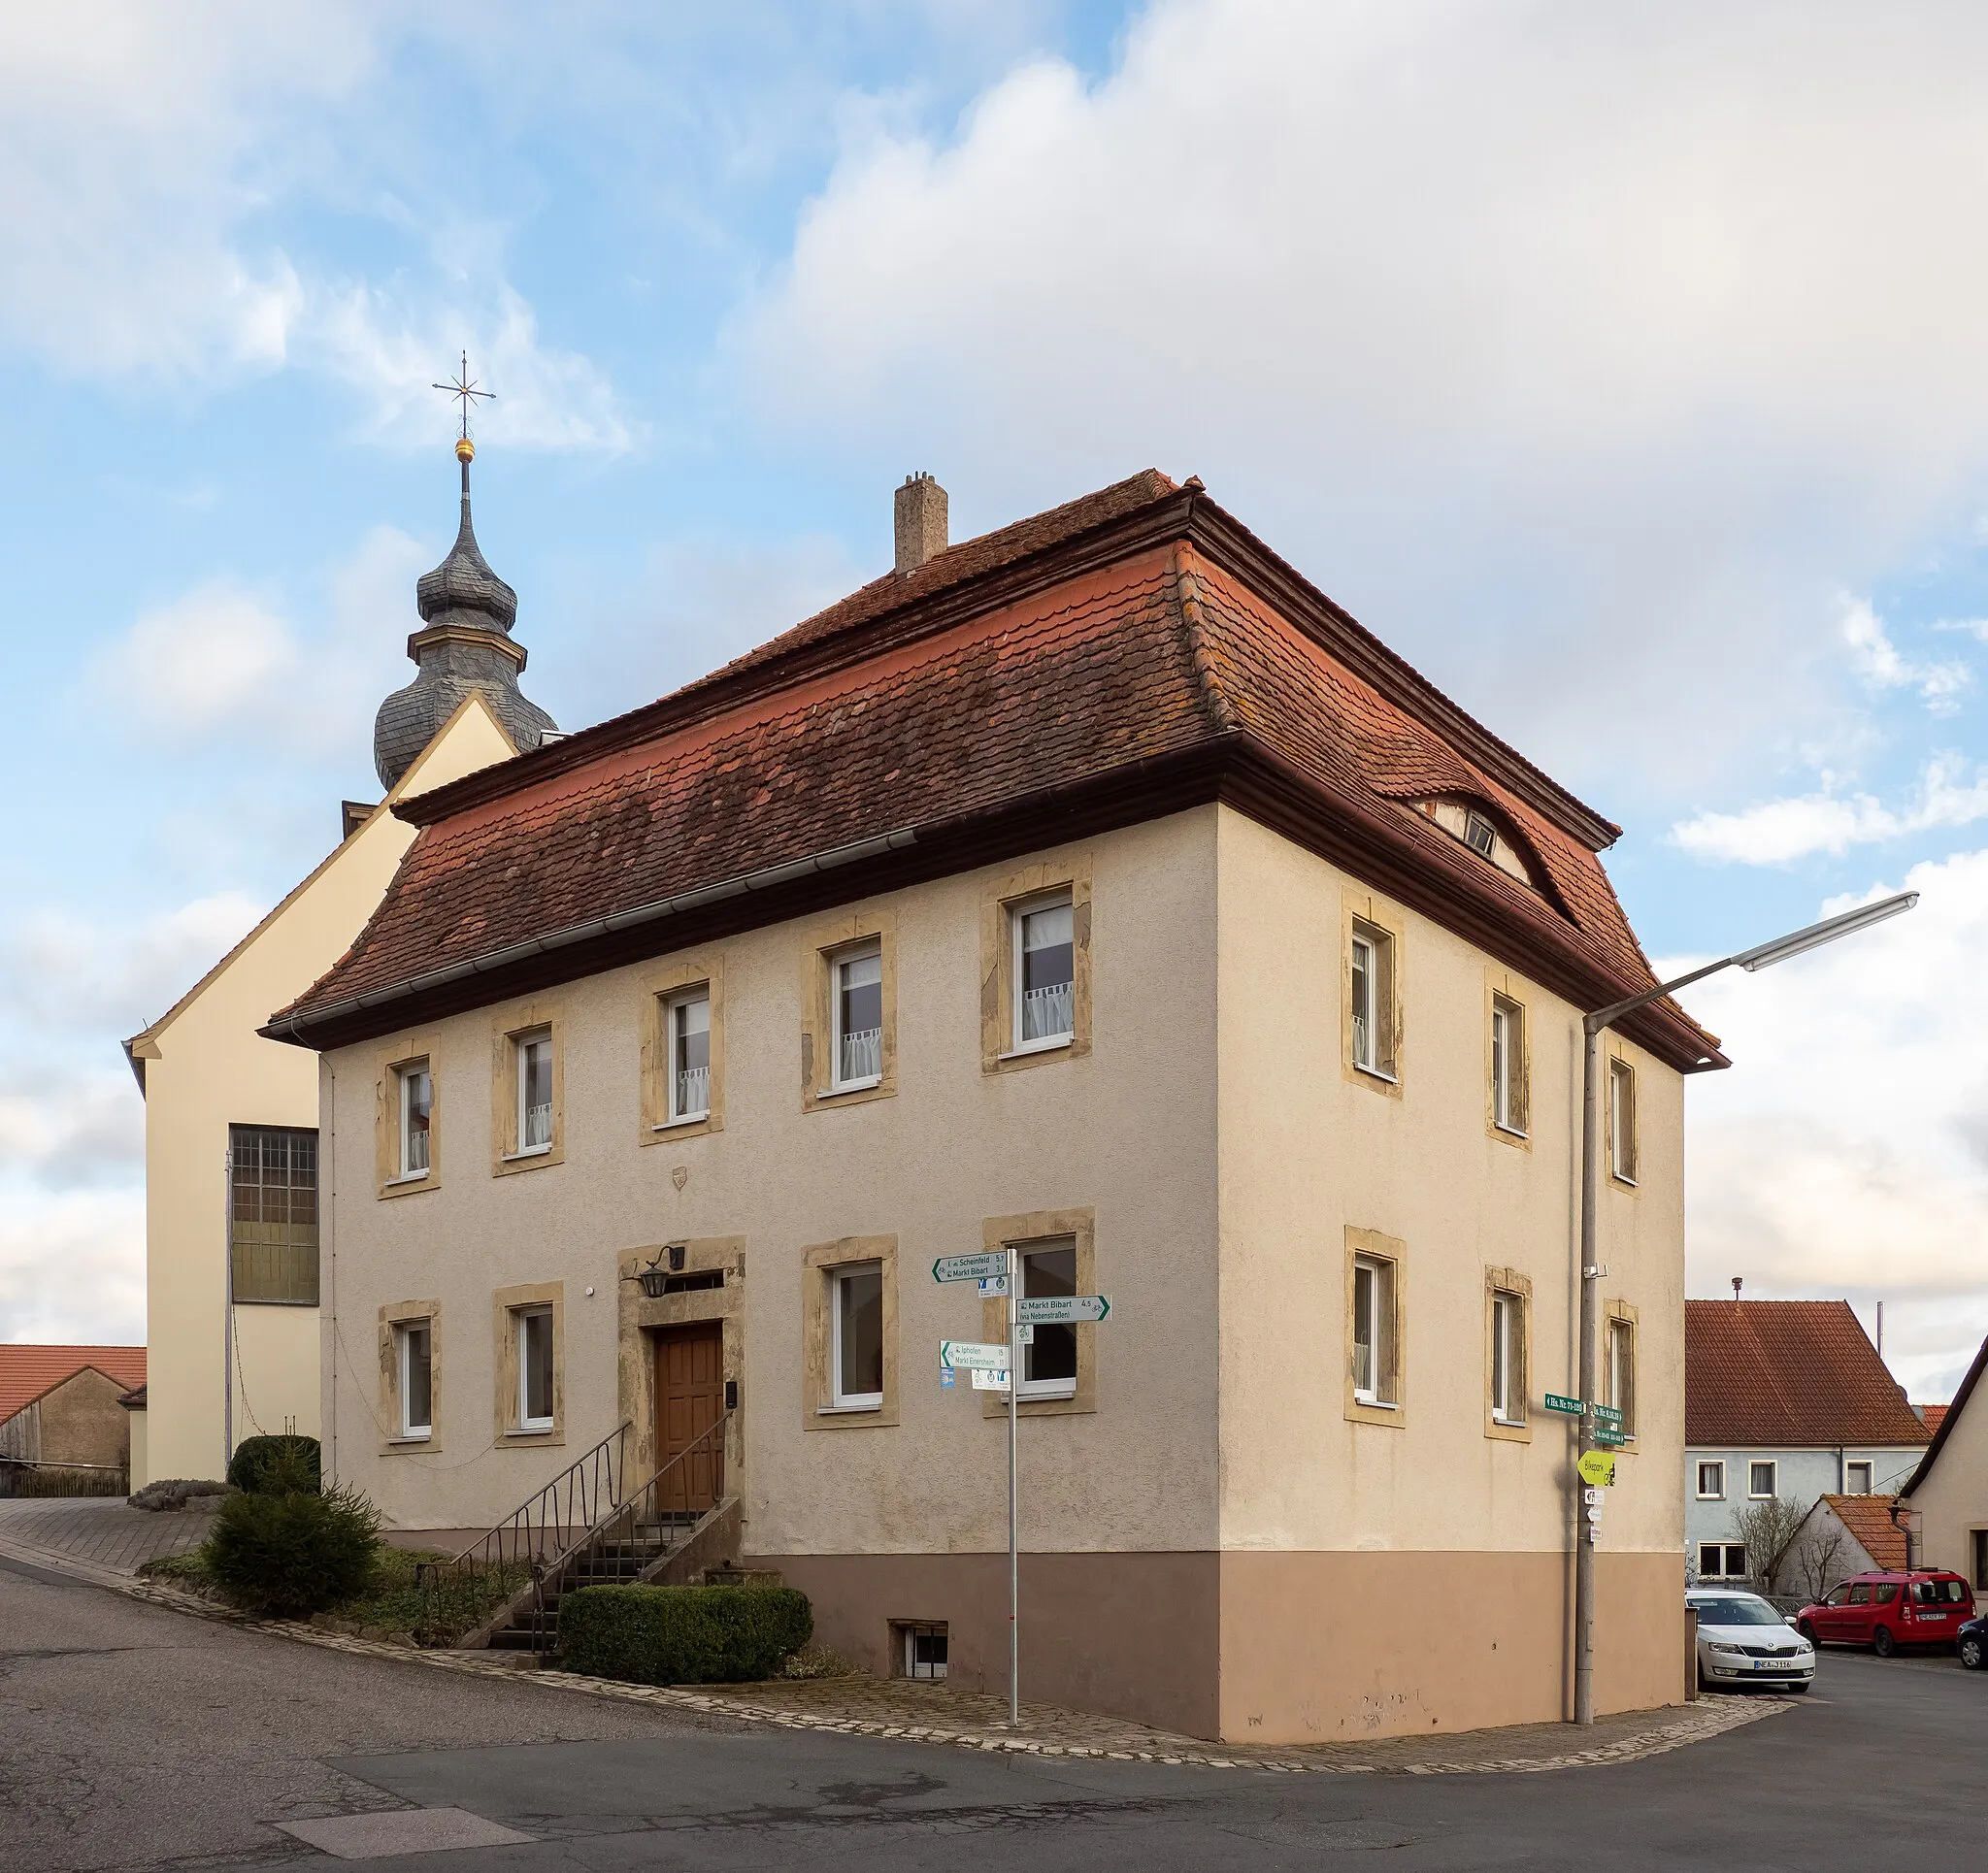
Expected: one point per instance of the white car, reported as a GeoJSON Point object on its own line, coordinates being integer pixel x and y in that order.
{"type": "Point", "coordinates": [1742, 1640]}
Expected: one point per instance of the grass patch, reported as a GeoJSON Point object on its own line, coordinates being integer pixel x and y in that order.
{"type": "Point", "coordinates": [389, 1607]}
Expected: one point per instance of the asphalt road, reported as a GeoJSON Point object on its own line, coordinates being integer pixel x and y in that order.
{"type": "Point", "coordinates": [132, 1738]}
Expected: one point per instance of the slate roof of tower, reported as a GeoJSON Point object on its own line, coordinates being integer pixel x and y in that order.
{"type": "Point", "coordinates": [1107, 658]}
{"type": "Point", "coordinates": [1788, 1374]}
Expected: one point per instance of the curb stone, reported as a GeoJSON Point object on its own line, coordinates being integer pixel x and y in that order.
{"type": "Point", "coordinates": [1692, 1725]}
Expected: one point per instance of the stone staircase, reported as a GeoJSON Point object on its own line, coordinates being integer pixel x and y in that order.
{"type": "Point", "coordinates": [621, 1556]}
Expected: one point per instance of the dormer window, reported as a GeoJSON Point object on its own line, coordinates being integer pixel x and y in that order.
{"type": "Point", "coordinates": [1475, 826]}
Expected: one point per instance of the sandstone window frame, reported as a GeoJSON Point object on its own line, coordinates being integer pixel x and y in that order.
{"type": "Point", "coordinates": [1622, 1328]}
{"type": "Point", "coordinates": [1002, 908]}
{"type": "Point", "coordinates": [1507, 1052]}
{"type": "Point", "coordinates": [820, 1264]}
{"type": "Point", "coordinates": [408, 1051]}
{"type": "Point", "coordinates": [662, 988]}
{"type": "Point", "coordinates": [395, 1318]}
{"type": "Point", "coordinates": [1385, 1258]}
{"type": "Point", "coordinates": [1623, 1121]}
{"type": "Point", "coordinates": [1372, 992]}
{"type": "Point", "coordinates": [542, 1018]}
{"type": "Point", "coordinates": [1044, 1228]}
{"type": "Point", "coordinates": [508, 1307]}
{"type": "Point", "coordinates": [1512, 1422]}
{"type": "Point", "coordinates": [824, 946]}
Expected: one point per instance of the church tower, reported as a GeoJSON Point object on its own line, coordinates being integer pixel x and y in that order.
{"type": "Point", "coordinates": [464, 645]}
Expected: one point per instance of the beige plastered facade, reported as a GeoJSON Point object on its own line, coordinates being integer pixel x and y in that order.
{"type": "Point", "coordinates": [1952, 1504]}
{"type": "Point", "coordinates": [205, 1068]}
{"type": "Point", "coordinates": [1211, 1540]}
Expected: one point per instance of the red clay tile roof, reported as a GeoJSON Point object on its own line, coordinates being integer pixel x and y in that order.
{"type": "Point", "coordinates": [28, 1371]}
{"type": "Point", "coordinates": [1931, 1416]}
{"type": "Point", "coordinates": [1868, 1519]}
{"type": "Point", "coordinates": [1130, 642]}
{"type": "Point", "coordinates": [1791, 1375]}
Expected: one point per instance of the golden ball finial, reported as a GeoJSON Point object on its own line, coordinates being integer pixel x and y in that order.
{"type": "Point", "coordinates": [465, 451]}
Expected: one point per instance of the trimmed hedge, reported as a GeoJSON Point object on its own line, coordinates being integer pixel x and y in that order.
{"type": "Point", "coordinates": [266, 1464]}
{"type": "Point", "coordinates": [683, 1635]}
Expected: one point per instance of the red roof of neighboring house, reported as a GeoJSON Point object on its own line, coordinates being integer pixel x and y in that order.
{"type": "Point", "coordinates": [1868, 1519]}
{"type": "Point", "coordinates": [1931, 1416]}
{"type": "Point", "coordinates": [28, 1371]}
{"type": "Point", "coordinates": [1791, 1375]}
{"type": "Point", "coordinates": [1125, 656]}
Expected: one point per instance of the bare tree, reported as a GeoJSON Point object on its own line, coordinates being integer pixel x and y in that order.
{"type": "Point", "coordinates": [1817, 1557]}
{"type": "Point", "coordinates": [1768, 1529]}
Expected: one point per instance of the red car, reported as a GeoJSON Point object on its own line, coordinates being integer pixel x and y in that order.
{"type": "Point", "coordinates": [1888, 1610]}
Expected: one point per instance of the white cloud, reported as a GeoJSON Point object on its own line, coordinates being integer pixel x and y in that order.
{"type": "Point", "coordinates": [72, 1266]}
{"type": "Point", "coordinates": [1777, 832]}
{"type": "Point", "coordinates": [1545, 336]}
{"type": "Point", "coordinates": [1846, 1151]}
{"type": "Point", "coordinates": [222, 657]}
{"type": "Point", "coordinates": [1878, 660]}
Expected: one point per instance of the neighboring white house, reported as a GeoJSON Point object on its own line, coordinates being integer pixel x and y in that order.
{"type": "Point", "coordinates": [1784, 1399]}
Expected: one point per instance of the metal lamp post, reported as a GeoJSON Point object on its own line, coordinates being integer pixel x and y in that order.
{"type": "Point", "coordinates": [1593, 1027]}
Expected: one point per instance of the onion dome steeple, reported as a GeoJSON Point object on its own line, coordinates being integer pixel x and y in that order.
{"type": "Point", "coordinates": [464, 645]}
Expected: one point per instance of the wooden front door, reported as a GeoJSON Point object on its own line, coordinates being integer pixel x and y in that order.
{"type": "Point", "coordinates": [690, 1399]}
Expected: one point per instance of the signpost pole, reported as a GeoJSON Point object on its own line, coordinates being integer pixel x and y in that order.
{"type": "Point", "coordinates": [1590, 1310]}
{"type": "Point", "coordinates": [1013, 1520]}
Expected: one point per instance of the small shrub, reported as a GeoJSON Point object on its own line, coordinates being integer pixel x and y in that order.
{"type": "Point", "coordinates": [266, 1464]}
{"type": "Point", "coordinates": [295, 1552]}
{"type": "Point", "coordinates": [683, 1635]}
{"type": "Point", "coordinates": [174, 1493]}
{"type": "Point", "coordinates": [817, 1661]}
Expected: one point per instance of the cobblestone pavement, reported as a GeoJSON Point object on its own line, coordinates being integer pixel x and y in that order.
{"type": "Point", "coordinates": [901, 1711]}
{"type": "Point", "coordinates": [102, 1533]}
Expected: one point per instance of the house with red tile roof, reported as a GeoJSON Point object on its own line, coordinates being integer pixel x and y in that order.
{"type": "Point", "coordinates": [1784, 1399]}
{"type": "Point", "coordinates": [1097, 895]}
{"type": "Point", "coordinates": [1842, 1535]}
{"type": "Point", "coordinates": [60, 1405]}
{"type": "Point", "coordinates": [1947, 1494]}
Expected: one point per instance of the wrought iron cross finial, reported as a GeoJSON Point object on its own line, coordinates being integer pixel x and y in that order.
{"type": "Point", "coordinates": [465, 390]}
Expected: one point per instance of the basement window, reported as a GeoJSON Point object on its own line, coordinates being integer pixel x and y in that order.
{"type": "Point", "coordinates": [920, 1648]}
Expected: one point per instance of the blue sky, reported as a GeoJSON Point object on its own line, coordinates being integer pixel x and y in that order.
{"type": "Point", "coordinates": [1623, 375]}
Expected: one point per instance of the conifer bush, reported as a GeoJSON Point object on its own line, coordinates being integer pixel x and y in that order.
{"type": "Point", "coordinates": [257, 1458]}
{"type": "Point", "coordinates": [291, 1548]}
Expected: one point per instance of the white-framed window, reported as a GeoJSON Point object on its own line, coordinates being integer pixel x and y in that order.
{"type": "Point", "coordinates": [1373, 1001]}
{"type": "Point", "coordinates": [1044, 972]}
{"type": "Point", "coordinates": [1712, 1481]}
{"type": "Point", "coordinates": [1760, 1479]}
{"type": "Point", "coordinates": [922, 1648]}
{"type": "Point", "coordinates": [1508, 1066]}
{"type": "Point", "coordinates": [686, 1021]}
{"type": "Point", "coordinates": [855, 1354]}
{"type": "Point", "coordinates": [416, 1116]}
{"type": "Point", "coordinates": [1857, 1478]}
{"type": "Point", "coordinates": [856, 1012]}
{"type": "Point", "coordinates": [534, 1056]}
{"type": "Point", "coordinates": [1621, 1375]}
{"type": "Point", "coordinates": [1507, 1358]}
{"type": "Point", "coordinates": [1048, 1363]}
{"type": "Point", "coordinates": [1721, 1561]}
{"type": "Point", "coordinates": [534, 1368]}
{"type": "Point", "coordinates": [1373, 1329]}
{"type": "Point", "coordinates": [1622, 1121]}
{"type": "Point", "coordinates": [414, 1346]}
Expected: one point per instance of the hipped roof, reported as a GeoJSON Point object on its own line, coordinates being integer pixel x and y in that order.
{"type": "Point", "coordinates": [1788, 1374]}
{"type": "Point", "coordinates": [1113, 660]}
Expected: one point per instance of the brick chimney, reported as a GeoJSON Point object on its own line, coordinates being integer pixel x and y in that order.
{"type": "Point", "coordinates": [920, 522]}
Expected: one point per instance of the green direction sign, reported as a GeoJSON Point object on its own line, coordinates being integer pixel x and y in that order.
{"type": "Point", "coordinates": [1062, 1309]}
{"type": "Point", "coordinates": [1608, 1415]}
{"type": "Point", "coordinates": [970, 1267]}
{"type": "Point", "coordinates": [957, 1353]}
{"type": "Point", "coordinates": [1604, 1435]}
{"type": "Point", "coordinates": [1556, 1403]}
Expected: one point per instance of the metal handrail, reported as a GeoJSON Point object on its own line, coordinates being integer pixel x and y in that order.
{"type": "Point", "coordinates": [644, 1504]}
{"type": "Point", "coordinates": [579, 1496]}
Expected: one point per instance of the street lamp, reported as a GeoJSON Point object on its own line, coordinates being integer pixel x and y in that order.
{"type": "Point", "coordinates": [1593, 1027]}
